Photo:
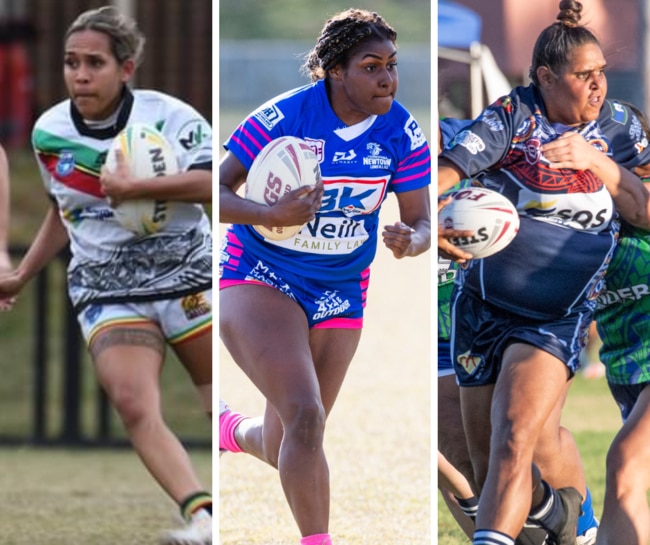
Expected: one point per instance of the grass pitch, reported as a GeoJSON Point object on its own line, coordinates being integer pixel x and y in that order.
{"type": "Point", "coordinates": [89, 497]}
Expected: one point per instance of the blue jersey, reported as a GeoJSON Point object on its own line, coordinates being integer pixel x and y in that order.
{"type": "Point", "coordinates": [556, 263]}
{"type": "Point", "coordinates": [359, 165]}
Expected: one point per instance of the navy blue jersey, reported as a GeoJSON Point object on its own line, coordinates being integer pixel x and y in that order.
{"type": "Point", "coordinates": [556, 263]}
{"type": "Point", "coordinates": [360, 165]}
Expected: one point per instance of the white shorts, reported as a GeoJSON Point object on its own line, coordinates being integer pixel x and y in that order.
{"type": "Point", "coordinates": [179, 319]}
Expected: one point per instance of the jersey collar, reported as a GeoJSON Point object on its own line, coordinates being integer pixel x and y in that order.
{"type": "Point", "coordinates": [106, 132]}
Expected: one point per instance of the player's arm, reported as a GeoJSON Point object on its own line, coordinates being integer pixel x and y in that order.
{"type": "Point", "coordinates": [193, 185]}
{"type": "Point", "coordinates": [5, 259]}
{"type": "Point", "coordinates": [51, 239]}
{"type": "Point", "coordinates": [631, 197]}
{"type": "Point", "coordinates": [412, 235]}
{"type": "Point", "coordinates": [295, 208]}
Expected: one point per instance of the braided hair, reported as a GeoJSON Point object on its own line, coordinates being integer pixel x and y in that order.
{"type": "Point", "coordinates": [339, 37]}
{"type": "Point", "coordinates": [557, 41]}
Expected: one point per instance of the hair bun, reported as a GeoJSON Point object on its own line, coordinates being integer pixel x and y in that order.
{"type": "Point", "coordinates": [570, 13]}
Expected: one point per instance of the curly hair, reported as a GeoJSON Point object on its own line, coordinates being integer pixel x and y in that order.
{"type": "Point", "coordinates": [558, 40]}
{"type": "Point", "coordinates": [340, 35]}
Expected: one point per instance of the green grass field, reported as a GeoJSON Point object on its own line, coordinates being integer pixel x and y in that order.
{"type": "Point", "coordinates": [89, 497]}
{"type": "Point", "coordinates": [592, 416]}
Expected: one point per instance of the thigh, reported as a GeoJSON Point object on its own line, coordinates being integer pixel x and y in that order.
{"type": "Point", "coordinates": [332, 350]}
{"type": "Point", "coordinates": [530, 389]}
{"type": "Point", "coordinates": [196, 356]}
{"type": "Point", "coordinates": [129, 358]}
{"type": "Point", "coordinates": [266, 333]}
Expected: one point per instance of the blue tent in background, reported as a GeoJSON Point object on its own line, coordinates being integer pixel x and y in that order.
{"type": "Point", "coordinates": [458, 26]}
{"type": "Point", "coordinates": [459, 40]}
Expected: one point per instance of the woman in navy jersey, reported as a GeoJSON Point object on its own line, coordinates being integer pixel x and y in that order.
{"type": "Point", "coordinates": [291, 311]}
{"type": "Point", "coordinates": [135, 295]}
{"type": "Point", "coordinates": [521, 317]}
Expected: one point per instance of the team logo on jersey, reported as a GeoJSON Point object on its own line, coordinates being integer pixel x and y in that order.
{"type": "Point", "coordinates": [317, 146]}
{"type": "Point", "coordinates": [414, 133]}
{"type": "Point", "coordinates": [330, 305]}
{"type": "Point", "coordinates": [92, 313]}
{"type": "Point", "coordinates": [65, 164]}
{"type": "Point", "coordinates": [470, 141]}
{"type": "Point", "coordinates": [532, 151]}
{"type": "Point", "coordinates": [193, 134]}
{"type": "Point", "coordinates": [195, 306]}
{"type": "Point", "coordinates": [469, 362]}
{"type": "Point", "coordinates": [374, 159]}
{"type": "Point", "coordinates": [269, 116]}
{"type": "Point", "coordinates": [344, 156]}
{"type": "Point", "coordinates": [619, 113]}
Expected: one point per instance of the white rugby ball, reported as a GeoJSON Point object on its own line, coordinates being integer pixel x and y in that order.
{"type": "Point", "coordinates": [284, 164]}
{"type": "Point", "coordinates": [491, 216]}
{"type": "Point", "coordinates": [148, 154]}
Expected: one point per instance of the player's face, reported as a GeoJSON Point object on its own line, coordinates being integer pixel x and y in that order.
{"type": "Point", "coordinates": [369, 82]}
{"type": "Point", "coordinates": [577, 94]}
{"type": "Point", "coordinates": [93, 76]}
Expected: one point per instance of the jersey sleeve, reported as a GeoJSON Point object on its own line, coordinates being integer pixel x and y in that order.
{"type": "Point", "coordinates": [191, 135]}
{"type": "Point", "coordinates": [484, 142]}
{"type": "Point", "coordinates": [629, 143]}
{"type": "Point", "coordinates": [414, 164]}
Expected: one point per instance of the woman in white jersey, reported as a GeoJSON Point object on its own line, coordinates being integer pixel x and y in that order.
{"type": "Point", "coordinates": [134, 294]}
{"type": "Point", "coordinates": [292, 318]}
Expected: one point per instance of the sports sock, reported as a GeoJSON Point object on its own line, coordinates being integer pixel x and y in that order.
{"type": "Point", "coordinates": [491, 537]}
{"type": "Point", "coordinates": [196, 502]}
{"type": "Point", "coordinates": [469, 506]}
{"type": "Point", "coordinates": [228, 421]}
{"type": "Point", "coordinates": [316, 539]}
{"type": "Point", "coordinates": [587, 519]}
{"type": "Point", "coordinates": [549, 513]}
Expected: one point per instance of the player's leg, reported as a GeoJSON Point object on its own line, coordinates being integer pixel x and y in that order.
{"type": "Point", "coordinates": [128, 361]}
{"type": "Point", "coordinates": [528, 386]}
{"type": "Point", "coordinates": [457, 494]}
{"type": "Point", "coordinates": [451, 435]}
{"type": "Point", "coordinates": [626, 517]}
{"type": "Point", "coordinates": [267, 335]}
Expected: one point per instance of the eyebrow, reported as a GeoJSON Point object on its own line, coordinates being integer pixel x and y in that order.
{"type": "Point", "coordinates": [374, 56]}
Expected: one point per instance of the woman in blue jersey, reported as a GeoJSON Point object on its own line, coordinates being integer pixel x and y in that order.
{"type": "Point", "coordinates": [521, 317]}
{"type": "Point", "coordinates": [291, 312]}
{"type": "Point", "coordinates": [134, 294]}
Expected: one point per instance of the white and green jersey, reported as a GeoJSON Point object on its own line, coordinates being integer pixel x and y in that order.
{"type": "Point", "coordinates": [110, 263]}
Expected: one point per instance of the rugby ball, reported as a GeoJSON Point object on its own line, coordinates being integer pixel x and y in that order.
{"type": "Point", "coordinates": [148, 154]}
{"type": "Point", "coordinates": [284, 164]}
{"type": "Point", "coordinates": [491, 216]}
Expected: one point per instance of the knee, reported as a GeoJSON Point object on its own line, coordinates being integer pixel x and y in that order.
{"type": "Point", "coordinates": [626, 466]}
{"type": "Point", "coordinates": [130, 404]}
{"type": "Point", "coordinates": [304, 423]}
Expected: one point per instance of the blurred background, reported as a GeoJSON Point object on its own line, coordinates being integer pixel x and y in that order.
{"type": "Point", "coordinates": [481, 43]}
{"type": "Point", "coordinates": [262, 46]}
{"type": "Point", "coordinates": [48, 394]}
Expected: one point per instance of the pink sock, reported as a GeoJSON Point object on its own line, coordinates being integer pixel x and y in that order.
{"type": "Point", "coordinates": [316, 539]}
{"type": "Point", "coordinates": [228, 421]}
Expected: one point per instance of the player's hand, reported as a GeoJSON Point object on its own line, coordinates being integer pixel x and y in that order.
{"type": "Point", "coordinates": [397, 238]}
{"type": "Point", "coordinates": [296, 207]}
{"type": "Point", "coordinates": [117, 183]}
{"type": "Point", "coordinates": [570, 150]}
{"type": "Point", "coordinates": [446, 249]}
{"type": "Point", "coordinates": [10, 285]}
